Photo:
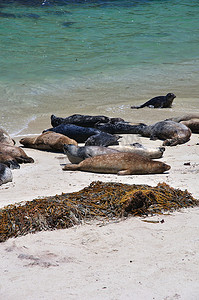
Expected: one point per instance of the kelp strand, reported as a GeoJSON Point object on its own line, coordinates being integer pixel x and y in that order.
{"type": "Point", "coordinates": [107, 200]}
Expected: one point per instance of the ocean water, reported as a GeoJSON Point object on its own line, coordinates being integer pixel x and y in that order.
{"type": "Point", "coordinates": [96, 57]}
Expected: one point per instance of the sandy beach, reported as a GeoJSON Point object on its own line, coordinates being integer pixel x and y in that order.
{"type": "Point", "coordinates": [125, 259]}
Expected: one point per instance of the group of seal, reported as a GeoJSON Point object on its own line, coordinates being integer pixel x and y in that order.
{"type": "Point", "coordinates": [77, 127]}
{"type": "Point", "coordinates": [102, 152]}
{"type": "Point", "coordinates": [10, 157]}
{"type": "Point", "coordinates": [76, 154]}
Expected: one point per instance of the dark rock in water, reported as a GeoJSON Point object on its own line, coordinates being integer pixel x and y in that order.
{"type": "Point", "coordinates": [10, 15]}
{"type": "Point", "coordinates": [59, 13]}
{"type": "Point", "coordinates": [78, 133]}
{"type": "Point", "coordinates": [7, 15]}
{"type": "Point", "coordinates": [68, 24]}
{"type": "Point", "coordinates": [31, 16]}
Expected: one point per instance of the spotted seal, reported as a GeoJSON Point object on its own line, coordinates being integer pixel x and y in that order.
{"type": "Point", "coordinates": [119, 163]}
{"type": "Point", "coordinates": [140, 149]}
{"type": "Point", "coordinates": [50, 141]}
{"type": "Point", "coordinates": [5, 174]}
{"type": "Point", "coordinates": [172, 133]}
{"type": "Point", "coordinates": [158, 102]}
{"type": "Point", "coordinates": [76, 154]}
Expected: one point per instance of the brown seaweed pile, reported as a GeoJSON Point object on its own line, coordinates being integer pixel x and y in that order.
{"type": "Point", "coordinates": [107, 200]}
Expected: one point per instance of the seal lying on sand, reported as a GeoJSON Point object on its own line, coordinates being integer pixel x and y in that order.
{"type": "Point", "coordinates": [140, 149]}
{"type": "Point", "coordinates": [82, 120]}
{"type": "Point", "coordinates": [50, 141]}
{"type": "Point", "coordinates": [158, 102]}
{"type": "Point", "coordinates": [102, 139]}
{"type": "Point", "coordinates": [12, 156]}
{"type": "Point", "coordinates": [119, 127]}
{"type": "Point", "coordinates": [78, 133]}
{"type": "Point", "coordinates": [119, 163]}
{"type": "Point", "coordinates": [193, 125]}
{"type": "Point", "coordinates": [76, 154]}
{"type": "Point", "coordinates": [184, 117]}
{"type": "Point", "coordinates": [171, 132]}
{"type": "Point", "coordinates": [5, 174]}
{"type": "Point", "coordinates": [5, 138]}
{"type": "Point", "coordinates": [190, 120]}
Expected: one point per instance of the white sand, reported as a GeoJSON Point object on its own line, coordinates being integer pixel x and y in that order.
{"type": "Point", "coordinates": [130, 259]}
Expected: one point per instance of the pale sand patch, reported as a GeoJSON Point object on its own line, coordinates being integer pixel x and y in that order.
{"type": "Point", "coordinates": [130, 259]}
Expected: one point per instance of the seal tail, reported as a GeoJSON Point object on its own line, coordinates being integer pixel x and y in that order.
{"type": "Point", "coordinates": [136, 107]}
{"type": "Point", "coordinates": [71, 167]}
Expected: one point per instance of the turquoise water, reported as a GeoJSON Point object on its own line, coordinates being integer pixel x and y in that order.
{"type": "Point", "coordinates": [94, 57]}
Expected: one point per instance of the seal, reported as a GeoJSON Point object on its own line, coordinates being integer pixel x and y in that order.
{"type": "Point", "coordinates": [82, 120]}
{"type": "Point", "coordinates": [119, 163]}
{"type": "Point", "coordinates": [12, 156]}
{"type": "Point", "coordinates": [102, 139]}
{"type": "Point", "coordinates": [5, 138]}
{"type": "Point", "coordinates": [119, 127]}
{"type": "Point", "coordinates": [140, 149]}
{"type": "Point", "coordinates": [76, 154]}
{"type": "Point", "coordinates": [184, 117]}
{"type": "Point", "coordinates": [193, 125]}
{"type": "Point", "coordinates": [50, 141]}
{"type": "Point", "coordinates": [172, 133]}
{"type": "Point", "coordinates": [190, 120]}
{"type": "Point", "coordinates": [78, 133]}
{"type": "Point", "coordinates": [158, 102]}
{"type": "Point", "coordinates": [5, 174]}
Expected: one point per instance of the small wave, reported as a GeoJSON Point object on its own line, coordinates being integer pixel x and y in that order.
{"type": "Point", "coordinates": [18, 133]}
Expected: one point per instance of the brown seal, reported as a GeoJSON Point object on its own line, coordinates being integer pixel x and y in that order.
{"type": "Point", "coordinates": [5, 138]}
{"type": "Point", "coordinates": [12, 156]}
{"type": "Point", "coordinates": [185, 117]}
{"type": "Point", "coordinates": [50, 141]}
{"type": "Point", "coordinates": [193, 125]}
{"type": "Point", "coordinates": [119, 163]}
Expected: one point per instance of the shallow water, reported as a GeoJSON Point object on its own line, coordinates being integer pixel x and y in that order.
{"type": "Point", "coordinates": [96, 57]}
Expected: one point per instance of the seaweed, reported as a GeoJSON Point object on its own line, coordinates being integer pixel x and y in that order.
{"type": "Point", "coordinates": [104, 200]}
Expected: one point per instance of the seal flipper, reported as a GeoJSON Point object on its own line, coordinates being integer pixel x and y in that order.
{"type": "Point", "coordinates": [124, 172]}
{"type": "Point", "coordinates": [71, 167]}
